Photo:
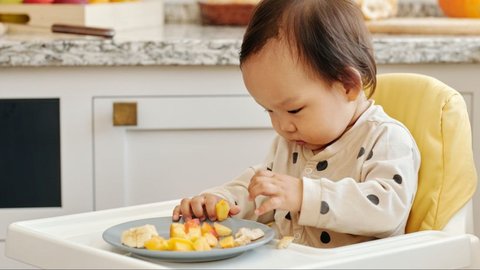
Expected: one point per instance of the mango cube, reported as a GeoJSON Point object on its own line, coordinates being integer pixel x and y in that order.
{"type": "Point", "coordinates": [157, 243]}
{"type": "Point", "coordinates": [192, 223]}
{"type": "Point", "coordinates": [222, 230]}
{"type": "Point", "coordinates": [180, 244]}
{"type": "Point", "coordinates": [207, 228]}
{"type": "Point", "coordinates": [201, 244]}
{"type": "Point", "coordinates": [177, 230]}
{"type": "Point", "coordinates": [193, 230]}
{"type": "Point", "coordinates": [227, 242]}
{"type": "Point", "coordinates": [194, 233]}
{"type": "Point", "coordinates": [211, 239]}
{"type": "Point", "coordinates": [222, 209]}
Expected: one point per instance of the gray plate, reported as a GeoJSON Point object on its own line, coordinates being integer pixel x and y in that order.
{"type": "Point", "coordinates": [113, 236]}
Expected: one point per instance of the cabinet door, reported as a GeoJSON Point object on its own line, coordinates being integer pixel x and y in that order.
{"type": "Point", "coordinates": [178, 147]}
{"type": "Point", "coordinates": [7, 263]}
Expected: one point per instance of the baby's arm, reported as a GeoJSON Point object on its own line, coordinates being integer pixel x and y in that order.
{"type": "Point", "coordinates": [236, 192]}
{"type": "Point", "coordinates": [376, 205]}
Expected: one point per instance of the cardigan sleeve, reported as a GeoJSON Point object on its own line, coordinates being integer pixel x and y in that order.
{"type": "Point", "coordinates": [236, 191]}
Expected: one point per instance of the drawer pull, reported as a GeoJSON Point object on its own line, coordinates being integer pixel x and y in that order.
{"type": "Point", "coordinates": [125, 114]}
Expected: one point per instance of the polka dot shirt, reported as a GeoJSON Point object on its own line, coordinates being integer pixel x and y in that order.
{"type": "Point", "coordinates": [359, 188]}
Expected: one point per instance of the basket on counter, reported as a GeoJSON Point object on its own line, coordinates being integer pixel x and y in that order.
{"type": "Point", "coordinates": [237, 14]}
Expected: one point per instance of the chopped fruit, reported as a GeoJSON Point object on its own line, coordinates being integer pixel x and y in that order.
{"type": "Point", "coordinates": [222, 230]}
{"type": "Point", "coordinates": [192, 228]}
{"type": "Point", "coordinates": [211, 239]}
{"type": "Point", "coordinates": [222, 208]}
{"type": "Point", "coordinates": [251, 234]}
{"type": "Point", "coordinates": [177, 230]}
{"type": "Point", "coordinates": [192, 223]}
{"type": "Point", "coordinates": [157, 243]}
{"type": "Point", "coordinates": [194, 233]}
{"type": "Point", "coordinates": [136, 237]}
{"type": "Point", "coordinates": [242, 240]}
{"type": "Point", "coordinates": [180, 244]}
{"type": "Point", "coordinates": [207, 228]}
{"type": "Point", "coordinates": [227, 242]}
{"type": "Point", "coordinates": [284, 242]}
{"type": "Point", "coordinates": [129, 238]}
{"type": "Point", "coordinates": [201, 244]}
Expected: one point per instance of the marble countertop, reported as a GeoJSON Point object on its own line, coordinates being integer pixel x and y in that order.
{"type": "Point", "coordinates": [193, 44]}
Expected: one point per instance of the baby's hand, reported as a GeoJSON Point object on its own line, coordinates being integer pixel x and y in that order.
{"type": "Point", "coordinates": [284, 191]}
{"type": "Point", "coordinates": [201, 207]}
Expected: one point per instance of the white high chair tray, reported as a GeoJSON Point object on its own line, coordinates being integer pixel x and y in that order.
{"type": "Point", "coordinates": [75, 241]}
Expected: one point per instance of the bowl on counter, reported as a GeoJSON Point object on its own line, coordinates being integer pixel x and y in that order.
{"type": "Point", "coordinates": [226, 13]}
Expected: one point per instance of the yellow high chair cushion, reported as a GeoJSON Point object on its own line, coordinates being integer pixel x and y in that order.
{"type": "Point", "coordinates": [437, 117]}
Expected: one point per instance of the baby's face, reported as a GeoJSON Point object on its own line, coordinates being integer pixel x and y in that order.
{"type": "Point", "coordinates": [303, 108]}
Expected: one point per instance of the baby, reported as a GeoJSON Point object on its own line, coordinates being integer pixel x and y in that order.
{"type": "Point", "coordinates": [340, 171]}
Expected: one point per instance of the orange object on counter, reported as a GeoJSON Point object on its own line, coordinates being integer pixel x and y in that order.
{"type": "Point", "coordinates": [460, 8]}
{"type": "Point", "coordinates": [237, 14]}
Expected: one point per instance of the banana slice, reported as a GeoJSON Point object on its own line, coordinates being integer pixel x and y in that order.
{"type": "Point", "coordinates": [285, 242]}
{"type": "Point", "coordinates": [251, 234]}
{"type": "Point", "coordinates": [137, 236]}
{"type": "Point", "coordinates": [378, 9]}
{"type": "Point", "coordinates": [245, 235]}
{"type": "Point", "coordinates": [242, 240]}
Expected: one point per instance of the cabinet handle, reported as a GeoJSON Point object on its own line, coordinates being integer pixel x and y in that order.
{"type": "Point", "coordinates": [124, 113]}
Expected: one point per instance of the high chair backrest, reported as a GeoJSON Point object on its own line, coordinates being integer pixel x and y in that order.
{"type": "Point", "coordinates": [437, 117]}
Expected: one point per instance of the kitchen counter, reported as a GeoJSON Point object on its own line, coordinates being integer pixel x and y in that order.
{"type": "Point", "coordinates": [193, 44]}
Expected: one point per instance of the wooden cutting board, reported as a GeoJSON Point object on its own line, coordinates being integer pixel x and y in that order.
{"type": "Point", "coordinates": [426, 26]}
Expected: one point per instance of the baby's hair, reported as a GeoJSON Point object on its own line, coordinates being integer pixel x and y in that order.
{"type": "Point", "coordinates": [329, 36]}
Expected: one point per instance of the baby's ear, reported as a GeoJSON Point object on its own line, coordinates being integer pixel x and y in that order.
{"type": "Point", "coordinates": [352, 83]}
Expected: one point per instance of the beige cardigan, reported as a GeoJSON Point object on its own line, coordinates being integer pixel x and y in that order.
{"type": "Point", "coordinates": [359, 188]}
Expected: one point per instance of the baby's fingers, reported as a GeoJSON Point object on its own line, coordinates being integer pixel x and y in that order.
{"type": "Point", "coordinates": [266, 188]}
{"type": "Point", "coordinates": [269, 205]}
{"type": "Point", "coordinates": [197, 205]}
{"type": "Point", "coordinates": [210, 206]}
{"type": "Point", "coordinates": [210, 202]}
{"type": "Point", "coordinates": [176, 213]}
{"type": "Point", "coordinates": [185, 209]}
{"type": "Point", "coordinates": [182, 210]}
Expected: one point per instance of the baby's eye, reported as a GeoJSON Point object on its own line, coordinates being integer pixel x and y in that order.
{"type": "Point", "coordinates": [269, 111]}
{"type": "Point", "coordinates": [295, 111]}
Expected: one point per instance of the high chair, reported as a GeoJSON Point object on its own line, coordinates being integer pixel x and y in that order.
{"type": "Point", "coordinates": [437, 117]}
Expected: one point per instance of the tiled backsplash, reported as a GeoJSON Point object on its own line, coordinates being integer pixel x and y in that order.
{"type": "Point", "coordinates": [187, 11]}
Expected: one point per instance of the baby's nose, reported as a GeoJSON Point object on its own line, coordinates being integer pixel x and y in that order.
{"type": "Point", "coordinates": [287, 126]}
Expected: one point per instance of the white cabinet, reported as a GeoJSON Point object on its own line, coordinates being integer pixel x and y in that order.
{"type": "Point", "coordinates": [179, 146]}
{"type": "Point", "coordinates": [7, 263]}
{"type": "Point", "coordinates": [75, 174]}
